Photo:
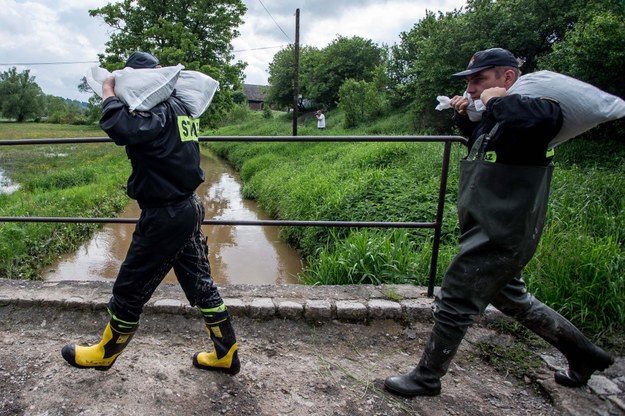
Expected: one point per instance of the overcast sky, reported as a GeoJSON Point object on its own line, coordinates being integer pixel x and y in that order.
{"type": "Point", "coordinates": [58, 40]}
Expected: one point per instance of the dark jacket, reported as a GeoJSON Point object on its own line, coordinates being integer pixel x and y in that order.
{"type": "Point", "coordinates": [162, 145]}
{"type": "Point", "coordinates": [526, 126]}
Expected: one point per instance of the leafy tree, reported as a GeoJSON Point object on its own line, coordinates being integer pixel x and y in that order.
{"type": "Point", "coordinates": [195, 33]}
{"type": "Point", "coordinates": [360, 102]}
{"type": "Point", "coordinates": [594, 51]}
{"type": "Point", "coordinates": [281, 72]}
{"type": "Point", "coordinates": [442, 44]}
{"type": "Point", "coordinates": [20, 97]}
{"type": "Point", "coordinates": [345, 58]}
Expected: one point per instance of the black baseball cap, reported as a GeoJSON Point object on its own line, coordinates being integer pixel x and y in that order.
{"type": "Point", "coordinates": [141, 60]}
{"type": "Point", "coordinates": [488, 58]}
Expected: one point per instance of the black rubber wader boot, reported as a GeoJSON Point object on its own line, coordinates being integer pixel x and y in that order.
{"type": "Point", "coordinates": [583, 356]}
{"type": "Point", "coordinates": [225, 357]}
{"type": "Point", "coordinates": [425, 378]}
{"type": "Point", "coordinates": [501, 212]}
{"type": "Point", "coordinates": [102, 356]}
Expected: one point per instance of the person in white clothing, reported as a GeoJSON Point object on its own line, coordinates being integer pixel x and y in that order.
{"type": "Point", "coordinates": [321, 120]}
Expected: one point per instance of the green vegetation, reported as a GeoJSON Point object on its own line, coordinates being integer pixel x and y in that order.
{"type": "Point", "coordinates": [85, 180]}
{"type": "Point", "coordinates": [579, 268]}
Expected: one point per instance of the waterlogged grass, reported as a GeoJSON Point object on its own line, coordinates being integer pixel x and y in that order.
{"type": "Point", "coordinates": [579, 268]}
{"type": "Point", "coordinates": [85, 180]}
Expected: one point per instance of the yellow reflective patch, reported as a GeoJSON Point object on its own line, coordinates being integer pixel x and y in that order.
{"type": "Point", "coordinates": [490, 157]}
{"type": "Point", "coordinates": [550, 153]}
{"type": "Point", "coordinates": [216, 331]}
{"type": "Point", "coordinates": [122, 339]}
{"type": "Point", "coordinates": [189, 128]}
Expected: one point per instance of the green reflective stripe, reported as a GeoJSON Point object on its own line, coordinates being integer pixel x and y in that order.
{"type": "Point", "coordinates": [550, 153]}
{"type": "Point", "coordinates": [490, 156]}
{"type": "Point", "coordinates": [220, 308]}
{"type": "Point", "coordinates": [189, 128]}
{"type": "Point", "coordinates": [116, 319]}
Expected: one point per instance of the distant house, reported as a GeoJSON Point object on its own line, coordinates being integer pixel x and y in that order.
{"type": "Point", "coordinates": [255, 95]}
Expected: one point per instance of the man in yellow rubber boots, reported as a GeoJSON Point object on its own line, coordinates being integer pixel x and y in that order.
{"type": "Point", "coordinates": [165, 160]}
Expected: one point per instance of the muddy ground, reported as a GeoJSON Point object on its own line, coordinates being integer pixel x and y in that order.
{"type": "Point", "coordinates": [289, 367]}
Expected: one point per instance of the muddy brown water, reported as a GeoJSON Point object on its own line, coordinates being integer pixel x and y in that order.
{"type": "Point", "coordinates": [237, 254]}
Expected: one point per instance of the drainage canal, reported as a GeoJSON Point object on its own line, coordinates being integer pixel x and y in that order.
{"type": "Point", "coordinates": [238, 254]}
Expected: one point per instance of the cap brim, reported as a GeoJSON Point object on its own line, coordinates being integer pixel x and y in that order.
{"type": "Point", "coordinates": [471, 71]}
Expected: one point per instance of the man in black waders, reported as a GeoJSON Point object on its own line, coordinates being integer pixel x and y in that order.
{"type": "Point", "coordinates": [502, 203]}
{"type": "Point", "coordinates": [163, 148]}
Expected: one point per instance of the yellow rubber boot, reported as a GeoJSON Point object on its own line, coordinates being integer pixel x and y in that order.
{"type": "Point", "coordinates": [102, 356]}
{"type": "Point", "coordinates": [225, 357]}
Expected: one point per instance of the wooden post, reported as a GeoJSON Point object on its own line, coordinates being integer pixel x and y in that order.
{"type": "Point", "coordinates": [296, 74]}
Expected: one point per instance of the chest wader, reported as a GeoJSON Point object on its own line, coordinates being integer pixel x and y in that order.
{"type": "Point", "coordinates": [501, 212]}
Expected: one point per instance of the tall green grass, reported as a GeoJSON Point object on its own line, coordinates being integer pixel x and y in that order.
{"type": "Point", "coordinates": [86, 180]}
{"type": "Point", "coordinates": [579, 268]}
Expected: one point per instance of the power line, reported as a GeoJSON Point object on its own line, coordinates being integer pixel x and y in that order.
{"type": "Point", "coordinates": [257, 49]}
{"type": "Point", "coordinates": [274, 20]}
{"type": "Point", "coordinates": [97, 62]}
{"type": "Point", "coordinates": [50, 63]}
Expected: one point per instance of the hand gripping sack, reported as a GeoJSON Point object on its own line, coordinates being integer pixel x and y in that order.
{"type": "Point", "coordinates": [584, 106]}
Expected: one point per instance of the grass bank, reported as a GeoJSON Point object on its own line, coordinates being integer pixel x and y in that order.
{"type": "Point", "coordinates": [83, 180]}
{"type": "Point", "coordinates": [579, 268]}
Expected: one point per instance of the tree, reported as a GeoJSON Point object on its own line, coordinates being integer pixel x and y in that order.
{"type": "Point", "coordinates": [282, 71]}
{"type": "Point", "coordinates": [360, 101]}
{"type": "Point", "coordinates": [345, 58]}
{"type": "Point", "coordinates": [20, 97]}
{"type": "Point", "coordinates": [195, 33]}
{"type": "Point", "coordinates": [594, 51]}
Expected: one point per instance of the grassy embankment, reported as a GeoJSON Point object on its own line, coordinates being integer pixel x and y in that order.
{"type": "Point", "coordinates": [81, 180]}
{"type": "Point", "coordinates": [579, 268]}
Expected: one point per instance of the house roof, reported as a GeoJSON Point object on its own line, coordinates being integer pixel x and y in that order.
{"type": "Point", "coordinates": [255, 92]}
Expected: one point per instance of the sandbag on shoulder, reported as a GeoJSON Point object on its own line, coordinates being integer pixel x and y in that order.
{"type": "Point", "coordinates": [196, 90]}
{"type": "Point", "coordinates": [584, 106]}
{"type": "Point", "coordinates": [139, 89]}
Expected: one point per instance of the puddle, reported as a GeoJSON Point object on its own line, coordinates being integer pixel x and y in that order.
{"type": "Point", "coordinates": [6, 186]}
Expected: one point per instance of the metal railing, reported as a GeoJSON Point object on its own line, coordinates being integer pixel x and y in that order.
{"type": "Point", "coordinates": [436, 224]}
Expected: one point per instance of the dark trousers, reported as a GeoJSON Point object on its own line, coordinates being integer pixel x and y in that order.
{"type": "Point", "coordinates": [165, 237]}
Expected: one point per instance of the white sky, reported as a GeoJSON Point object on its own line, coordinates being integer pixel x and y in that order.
{"type": "Point", "coordinates": [58, 31]}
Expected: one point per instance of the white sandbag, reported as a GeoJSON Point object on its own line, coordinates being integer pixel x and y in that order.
{"type": "Point", "coordinates": [196, 90]}
{"type": "Point", "coordinates": [142, 89]}
{"type": "Point", "coordinates": [584, 106]}
{"type": "Point", "coordinates": [95, 78]}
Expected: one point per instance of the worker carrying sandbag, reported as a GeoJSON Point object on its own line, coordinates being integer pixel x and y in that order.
{"type": "Point", "coordinates": [584, 106]}
{"type": "Point", "coordinates": [503, 193]}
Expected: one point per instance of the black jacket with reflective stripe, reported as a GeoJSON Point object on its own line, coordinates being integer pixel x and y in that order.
{"type": "Point", "coordinates": [526, 126]}
{"type": "Point", "coordinates": [165, 168]}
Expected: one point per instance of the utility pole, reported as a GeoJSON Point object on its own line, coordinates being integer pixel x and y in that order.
{"type": "Point", "coordinates": [296, 73]}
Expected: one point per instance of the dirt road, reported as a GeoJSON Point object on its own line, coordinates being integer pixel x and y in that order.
{"type": "Point", "coordinates": [289, 367]}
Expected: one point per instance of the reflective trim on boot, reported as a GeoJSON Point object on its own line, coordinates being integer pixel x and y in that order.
{"type": "Point", "coordinates": [412, 384]}
{"type": "Point", "coordinates": [101, 356]}
{"type": "Point", "coordinates": [225, 357]}
{"type": "Point", "coordinates": [580, 371]}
